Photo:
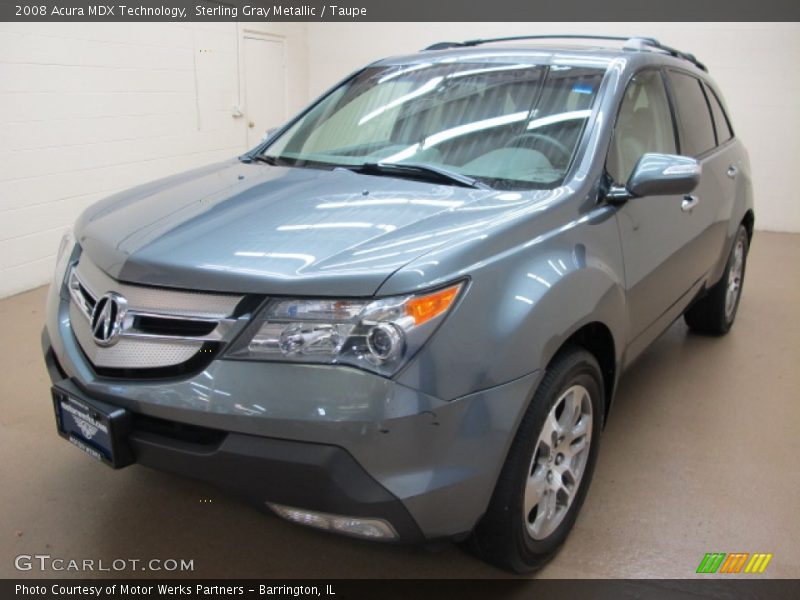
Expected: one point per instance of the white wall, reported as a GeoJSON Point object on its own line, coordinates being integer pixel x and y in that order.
{"type": "Point", "coordinates": [757, 66]}
{"type": "Point", "coordinates": [87, 109]}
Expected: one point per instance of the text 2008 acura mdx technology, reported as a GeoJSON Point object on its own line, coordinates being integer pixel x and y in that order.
{"type": "Point", "coordinates": [404, 315]}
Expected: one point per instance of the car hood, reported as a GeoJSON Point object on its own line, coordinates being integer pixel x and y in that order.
{"type": "Point", "coordinates": [253, 228]}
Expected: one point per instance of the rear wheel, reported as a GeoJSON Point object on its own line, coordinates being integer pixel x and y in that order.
{"type": "Point", "coordinates": [715, 312]}
{"type": "Point", "coordinates": [548, 469]}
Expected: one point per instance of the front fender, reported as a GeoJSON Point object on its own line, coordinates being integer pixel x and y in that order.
{"type": "Point", "coordinates": [520, 308]}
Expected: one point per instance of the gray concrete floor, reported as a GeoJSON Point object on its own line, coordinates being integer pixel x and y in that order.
{"type": "Point", "coordinates": [700, 455]}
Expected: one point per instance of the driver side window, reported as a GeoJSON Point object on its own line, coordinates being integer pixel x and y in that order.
{"type": "Point", "coordinates": [644, 124]}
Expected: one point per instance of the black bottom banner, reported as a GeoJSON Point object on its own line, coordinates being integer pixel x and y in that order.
{"type": "Point", "coordinates": [346, 589]}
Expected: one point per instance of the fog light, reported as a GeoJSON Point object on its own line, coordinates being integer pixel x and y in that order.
{"type": "Point", "coordinates": [367, 528]}
{"type": "Point", "coordinates": [376, 529]}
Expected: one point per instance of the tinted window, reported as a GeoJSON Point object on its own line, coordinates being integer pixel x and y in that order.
{"type": "Point", "coordinates": [721, 123]}
{"type": "Point", "coordinates": [696, 128]}
{"type": "Point", "coordinates": [644, 124]}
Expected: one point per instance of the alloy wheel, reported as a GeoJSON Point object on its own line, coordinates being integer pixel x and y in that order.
{"type": "Point", "coordinates": [558, 462]}
{"type": "Point", "coordinates": [735, 273]}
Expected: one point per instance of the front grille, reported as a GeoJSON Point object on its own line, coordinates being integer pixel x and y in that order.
{"type": "Point", "coordinates": [178, 327]}
{"type": "Point", "coordinates": [148, 331]}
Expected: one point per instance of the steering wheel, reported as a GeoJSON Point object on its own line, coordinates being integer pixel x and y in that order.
{"type": "Point", "coordinates": [522, 138]}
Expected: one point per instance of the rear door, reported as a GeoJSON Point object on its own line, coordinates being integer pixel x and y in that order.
{"type": "Point", "coordinates": [704, 133]}
{"type": "Point", "coordinates": [725, 165]}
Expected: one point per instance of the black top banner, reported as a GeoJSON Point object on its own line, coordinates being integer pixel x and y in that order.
{"type": "Point", "coordinates": [401, 10]}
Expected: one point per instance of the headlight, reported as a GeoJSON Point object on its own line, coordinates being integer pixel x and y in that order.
{"type": "Point", "coordinates": [65, 250]}
{"type": "Point", "coordinates": [378, 335]}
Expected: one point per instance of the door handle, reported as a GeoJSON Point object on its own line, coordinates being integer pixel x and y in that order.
{"type": "Point", "coordinates": [689, 202]}
{"type": "Point", "coordinates": [732, 171]}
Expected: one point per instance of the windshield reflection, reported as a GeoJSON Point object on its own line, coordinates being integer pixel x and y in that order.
{"type": "Point", "coordinates": [507, 123]}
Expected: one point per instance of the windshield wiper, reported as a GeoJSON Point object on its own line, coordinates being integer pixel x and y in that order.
{"type": "Point", "coordinates": [420, 169]}
{"type": "Point", "coordinates": [270, 160]}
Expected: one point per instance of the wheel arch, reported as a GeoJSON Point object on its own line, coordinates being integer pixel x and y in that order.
{"type": "Point", "coordinates": [749, 221]}
{"type": "Point", "coordinates": [596, 338]}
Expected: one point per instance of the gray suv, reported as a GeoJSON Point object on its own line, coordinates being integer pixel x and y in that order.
{"type": "Point", "coordinates": [403, 316]}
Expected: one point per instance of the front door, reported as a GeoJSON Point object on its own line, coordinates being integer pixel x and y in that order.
{"type": "Point", "coordinates": [657, 232]}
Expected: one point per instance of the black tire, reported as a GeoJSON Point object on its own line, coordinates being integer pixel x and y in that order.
{"type": "Point", "coordinates": [503, 535]}
{"type": "Point", "coordinates": [710, 314]}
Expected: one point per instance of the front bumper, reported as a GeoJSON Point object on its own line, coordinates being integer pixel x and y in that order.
{"type": "Point", "coordinates": [329, 439]}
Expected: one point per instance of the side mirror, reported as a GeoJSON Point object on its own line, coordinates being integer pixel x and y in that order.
{"type": "Point", "coordinates": [664, 174]}
{"type": "Point", "coordinates": [659, 175]}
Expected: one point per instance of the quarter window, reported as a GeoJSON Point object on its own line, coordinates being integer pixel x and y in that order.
{"type": "Point", "coordinates": [694, 119]}
{"type": "Point", "coordinates": [721, 122]}
{"type": "Point", "coordinates": [644, 124]}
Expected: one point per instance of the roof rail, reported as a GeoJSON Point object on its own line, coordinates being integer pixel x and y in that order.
{"type": "Point", "coordinates": [631, 43]}
{"type": "Point", "coordinates": [645, 43]}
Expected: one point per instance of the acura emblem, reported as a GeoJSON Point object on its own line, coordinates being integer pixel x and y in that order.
{"type": "Point", "coordinates": [107, 319]}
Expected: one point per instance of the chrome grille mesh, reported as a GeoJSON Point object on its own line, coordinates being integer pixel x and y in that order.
{"type": "Point", "coordinates": [130, 353]}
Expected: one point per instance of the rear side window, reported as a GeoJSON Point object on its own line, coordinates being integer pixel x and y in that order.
{"type": "Point", "coordinates": [694, 119]}
{"type": "Point", "coordinates": [644, 124]}
{"type": "Point", "coordinates": [721, 122]}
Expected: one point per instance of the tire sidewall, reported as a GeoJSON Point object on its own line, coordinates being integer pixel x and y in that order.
{"type": "Point", "coordinates": [741, 234]}
{"type": "Point", "coordinates": [583, 370]}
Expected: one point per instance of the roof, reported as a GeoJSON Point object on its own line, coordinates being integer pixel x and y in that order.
{"type": "Point", "coordinates": [575, 53]}
{"type": "Point", "coordinates": [639, 43]}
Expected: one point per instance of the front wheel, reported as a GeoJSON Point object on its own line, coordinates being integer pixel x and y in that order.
{"type": "Point", "coordinates": [548, 469]}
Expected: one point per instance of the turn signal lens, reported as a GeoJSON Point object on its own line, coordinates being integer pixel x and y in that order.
{"type": "Point", "coordinates": [425, 308]}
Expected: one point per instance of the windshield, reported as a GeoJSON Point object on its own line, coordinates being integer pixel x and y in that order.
{"type": "Point", "coordinates": [510, 124]}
